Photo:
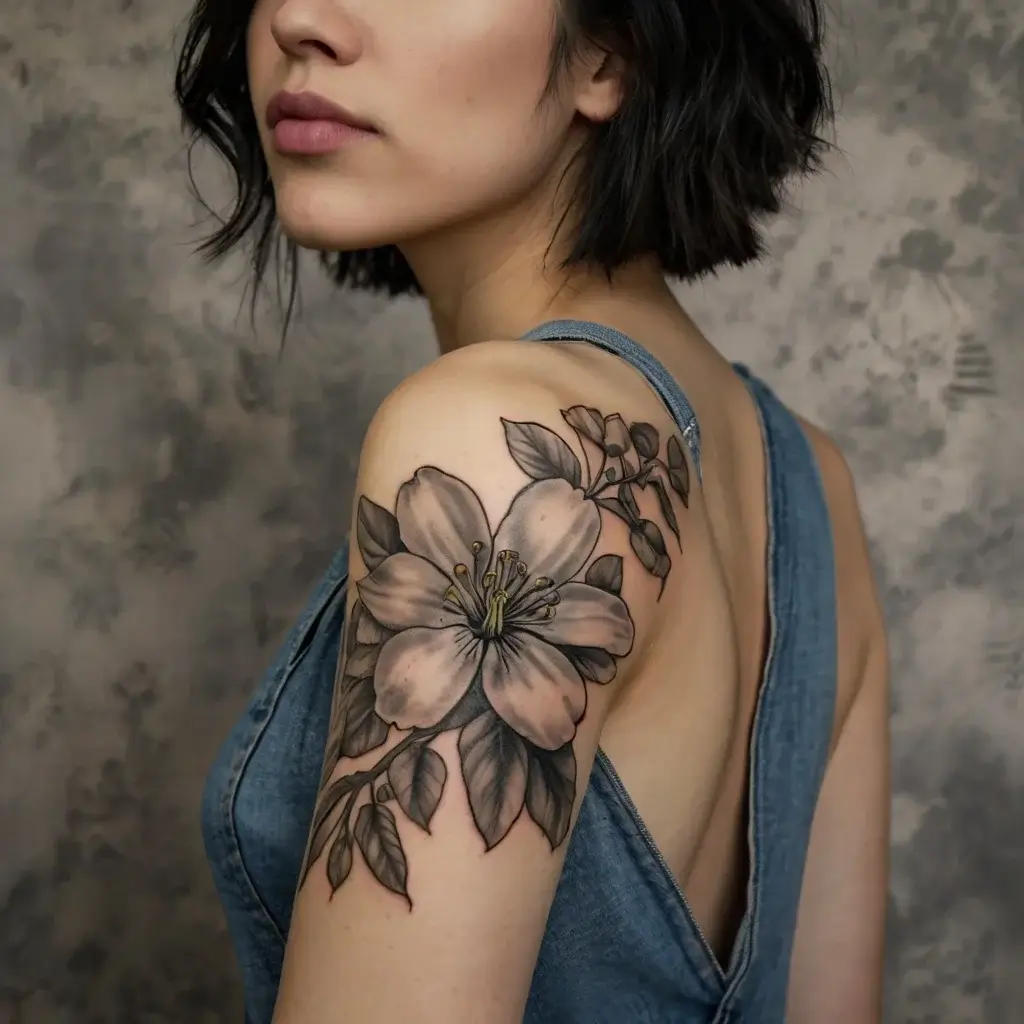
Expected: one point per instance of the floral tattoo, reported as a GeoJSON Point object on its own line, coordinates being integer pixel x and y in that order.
{"type": "Point", "coordinates": [488, 633]}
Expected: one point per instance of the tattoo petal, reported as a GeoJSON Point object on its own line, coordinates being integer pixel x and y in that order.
{"type": "Point", "coordinates": [592, 663]}
{"type": "Point", "coordinates": [553, 527]}
{"type": "Point", "coordinates": [535, 689]}
{"type": "Point", "coordinates": [423, 673]}
{"type": "Point", "coordinates": [588, 617]}
{"type": "Point", "coordinates": [406, 590]}
{"type": "Point", "coordinates": [441, 518]}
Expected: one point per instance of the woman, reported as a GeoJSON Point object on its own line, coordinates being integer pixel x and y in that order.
{"type": "Point", "coordinates": [607, 739]}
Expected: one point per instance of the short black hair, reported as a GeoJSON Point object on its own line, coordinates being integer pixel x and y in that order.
{"type": "Point", "coordinates": [725, 99]}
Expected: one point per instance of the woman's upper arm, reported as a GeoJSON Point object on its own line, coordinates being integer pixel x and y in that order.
{"type": "Point", "coordinates": [493, 611]}
{"type": "Point", "coordinates": [837, 966]}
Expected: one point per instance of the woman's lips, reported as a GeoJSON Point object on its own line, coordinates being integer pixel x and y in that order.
{"type": "Point", "coordinates": [308, 124]}
{"type": "Point", "coordinates": [314, 137]}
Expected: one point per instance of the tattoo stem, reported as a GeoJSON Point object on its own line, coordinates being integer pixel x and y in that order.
{"type": "Point", "coordinates": [596, 483]}
{"type": "Point", "coordinates": [596, 492]}
{"type": "Point", "coordinates": [361, 779]}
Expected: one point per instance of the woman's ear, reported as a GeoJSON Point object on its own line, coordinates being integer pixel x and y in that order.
{"type": "Point", "coordinates": [601, 85]}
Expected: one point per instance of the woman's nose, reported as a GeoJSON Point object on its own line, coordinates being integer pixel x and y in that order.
{"type": "Point", "coordinates": [316, 30]}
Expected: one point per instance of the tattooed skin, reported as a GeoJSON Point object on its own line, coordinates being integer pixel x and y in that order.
{"type": "Point", "coordinates": [493, 634]}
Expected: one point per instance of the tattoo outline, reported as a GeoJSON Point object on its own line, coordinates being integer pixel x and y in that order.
{"type": "Point", "coordinates": [456, 629]}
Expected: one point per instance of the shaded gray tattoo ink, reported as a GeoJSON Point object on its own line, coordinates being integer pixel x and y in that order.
{"type": "Point", "coordinates": [488, 633]}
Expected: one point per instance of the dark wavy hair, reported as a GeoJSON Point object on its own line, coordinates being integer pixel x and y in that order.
{"type": "Point", "coordinates": [725, 99]}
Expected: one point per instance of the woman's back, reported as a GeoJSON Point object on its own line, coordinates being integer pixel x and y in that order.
{"type": "Point", "coordinates": [765, 641]}
{"type": "Point", "coordinates": [695, 727]}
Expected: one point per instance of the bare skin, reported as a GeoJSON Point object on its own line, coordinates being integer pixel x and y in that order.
{"type": "Point", "coordinates": [432, 906]}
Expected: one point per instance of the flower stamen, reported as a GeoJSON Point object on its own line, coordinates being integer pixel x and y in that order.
{"type": "Point", "coordinates": [494, 623]}
{"type": "Point", "coordinates": [542, 603]}
{"type": "Point", "coordinates": [468, 597]}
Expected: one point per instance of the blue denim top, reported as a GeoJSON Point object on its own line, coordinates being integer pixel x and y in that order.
{"type": "Point", "coordinates": [621, 946]}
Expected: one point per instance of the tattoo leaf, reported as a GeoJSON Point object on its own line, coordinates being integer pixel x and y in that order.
{"type": "Point", "coordinates": [364, 628]}
{"type": "Point", "coordinates": [616, 436]}
{"type": "Point", "coordinates": [494, 767]}
{"type": "Point", "coordinates": [326, 817]}
{"type": "Point", "coordinates": [352, 627]}
{"type": "Point", "coordinates": [339, 860]}
{"type": "Point", "coordinates": [587, 422]}
{"type": "Point", "coordinates": [592, 663]}
{"type": "Point", "coordinates": [678, 470]}
{"type": "Point", "coordinates": [364, 728]}
{"type": "Point", "coordinates": [377, 835]}
{"type": "Point", "coordinates": [417, 777]}
{"type": "Point", "coordinates": [645, 439]}
{"type": "Point", "coordinates": [540, 453]}
{"type": "Point", "coordinates": [628, 500]}
{"type": "Point", "coordinates": [605, 573]}
{"type": "Point", "coordinates": [362, 660]}
{"type": "Point", "coordinates": [551, 791]}
{"type": "Point", "coordinates": [616, 508]}
{"type": "Point", "coordinates": [657, 482]}
{"type": "Point", "coordinates": [385, 793]}
{"type": "Point", "coordinates": [376, 532]}
{"type": "Point", "coordinates": [649, 546]}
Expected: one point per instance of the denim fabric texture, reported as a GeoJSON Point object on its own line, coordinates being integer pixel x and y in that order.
{"type": "Point", "coordinates": [621, 946]}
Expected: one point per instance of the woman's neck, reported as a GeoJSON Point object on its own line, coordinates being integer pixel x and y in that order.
{"type": "Point", "coordinates": [479, 295]}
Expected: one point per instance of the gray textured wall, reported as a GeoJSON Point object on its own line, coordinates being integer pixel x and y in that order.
{"type": "Point", "coordinates": [168, 489]}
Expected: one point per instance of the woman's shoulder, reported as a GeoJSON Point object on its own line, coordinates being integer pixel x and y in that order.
{"type": "Point", "coordinates": [861, 623]}
{"type": "Point", "coordinates": [476, 382]}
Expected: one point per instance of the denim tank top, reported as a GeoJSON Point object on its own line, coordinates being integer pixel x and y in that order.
{"type": "Point", "coordinates": [621, 945]}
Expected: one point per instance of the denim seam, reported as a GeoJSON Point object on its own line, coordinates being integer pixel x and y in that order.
{"type": "Point", "coordinates": [334, 579]}
{"type": "Point", "coordinates": [241, 762]}
{"type": "Point", "coordinates": [265, 711]}
{"type": "Point", "coordinates": [705, 968]}
{"type": "Point", "coordinates": [775, 500]}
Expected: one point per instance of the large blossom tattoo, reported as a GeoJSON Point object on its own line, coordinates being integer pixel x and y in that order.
{"type": "Point", "coordinates": [490, 633]}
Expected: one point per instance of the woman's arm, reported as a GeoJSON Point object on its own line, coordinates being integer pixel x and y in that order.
{"type": "Point", "coordinates": [837, 966]}
{"type": "Point", "coordinates": [494, 608]}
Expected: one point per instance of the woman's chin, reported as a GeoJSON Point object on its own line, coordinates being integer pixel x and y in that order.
{"type": "Point", "coordinates": [323, 236]}
{"type": "Point", "coordinates": [317, 218]}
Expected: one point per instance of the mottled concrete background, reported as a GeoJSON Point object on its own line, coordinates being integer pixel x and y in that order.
{"type": "Point", "coordinates": [168, 489]}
